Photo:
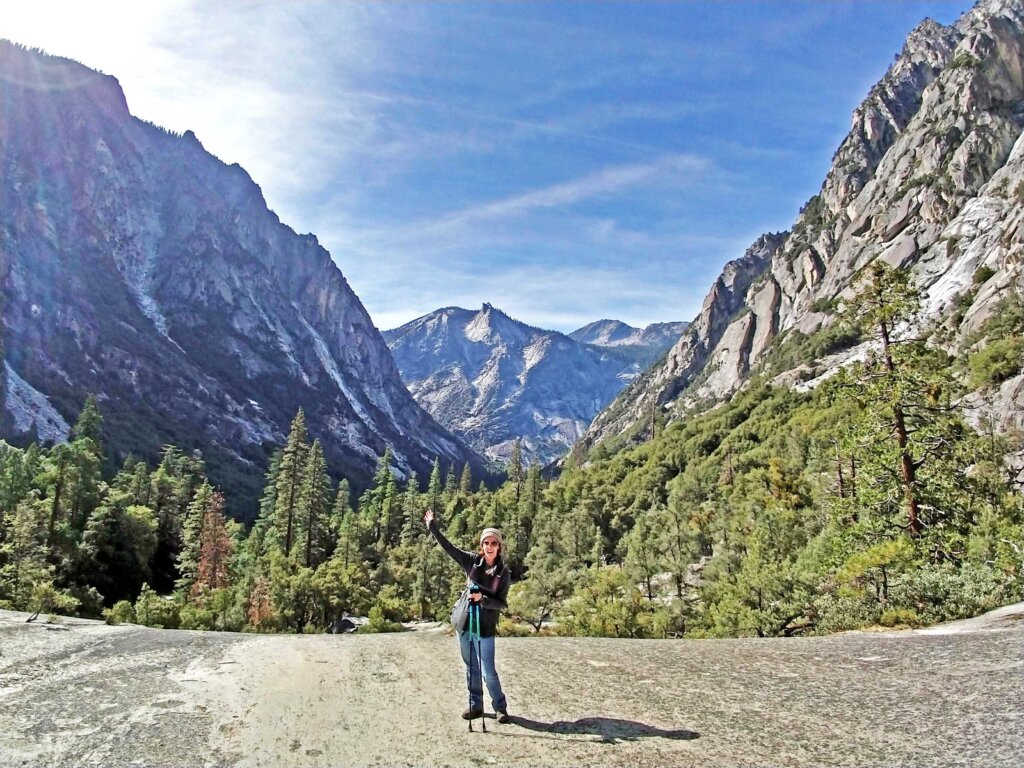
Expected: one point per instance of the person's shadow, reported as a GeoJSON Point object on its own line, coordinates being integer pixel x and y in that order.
{"type": "Point", "coordinates": [610, 729]}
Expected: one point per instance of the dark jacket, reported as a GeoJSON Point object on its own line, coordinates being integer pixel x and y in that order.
{"type": "Point", "coordinates": [493, 582]}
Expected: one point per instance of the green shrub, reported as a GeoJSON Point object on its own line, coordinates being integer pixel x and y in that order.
{"type": "Point", "coordinates": [608, 604]}
{"type": "Point", "coordinates": [122, 612]}
{"type": "Point", "coordinates": [996, 363]}
{"type": "Point", "coordinates": [509, 628]}
{"type": "Point", "coordinates": [900, 617]}
{"type": "Point", "coordinates": [393, 608]}
{"type": "Point", "coordinates": [49, 599]}
{"type": "Point", "coordinates": [983, 274]}
{"type": "Point", "coordinates": [964, 60]}
{"type": "Point", "coordinates": [838, 613]}
{"type": "Point", "coordinates": [216, 610]}
{"type": "Point", "coordinates": [378, 622]}
{"type": "Point", "coordinates": [946, 592]}
{"type": "Point", "coordinates": [90, 601]}
{"type": "Point", "coordinates": [152, 610]}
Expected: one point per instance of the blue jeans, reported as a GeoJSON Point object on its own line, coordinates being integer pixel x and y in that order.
{"type": "Point", "coordinates": [476, 690]}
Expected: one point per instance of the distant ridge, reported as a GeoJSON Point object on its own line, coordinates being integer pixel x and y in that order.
{"type": "Point", "coordinates": [492, 379]}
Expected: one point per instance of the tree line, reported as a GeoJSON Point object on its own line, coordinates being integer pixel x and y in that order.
{"type": "Point", "coordinates": [867, 500]}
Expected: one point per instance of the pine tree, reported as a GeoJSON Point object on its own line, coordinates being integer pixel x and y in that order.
{"type": "Point", "coordinates": [904, 389]}
{"type": "Point", "coordinates": [679, 541]}
{"type": "Point", "coordinates": [56, 479]}
{"type": "Point", "coordinates": [643, 557]}
{"type": "Point", "coordinates": [290, 480]}
{"type": "Point", "coordinates": [466, 480]}
{"type": "Point", "coordinates": [18, 469]}
{"type": "Point", "coordinates": [117, 546]}
{"type": "Point", "coordinates": [450, 484]}
{"type": "Point", "coordinates": [515, 467]}
{"type": "Point", "coordinates": [263, 535]}
{"type": "Point", "coordinates": [215, 548]}
{"type": "Point", "coordinates": [89, 425]}
{"type": "Point", "coordinates": [412, 512]}
{"type": "Point", "coordinates": [23, 555]}
{"type": "Point", "coordinates": [346, 526]}
{"type": "Point", "coordinates": [313, 527]}
{"type": "Point", "coordinates": [192, 531]}
{"type": "Point", "coordinates": [384, 502]}
{"type": "Point", "coordinates": [133, 478]}
{"type": "Point", "coordinates": [171, 491]}
{"type": "Point", "coordinates": [433, 499]}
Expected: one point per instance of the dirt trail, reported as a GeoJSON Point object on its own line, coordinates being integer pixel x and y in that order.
{"type": "Point", "coordinates": [87, 694]}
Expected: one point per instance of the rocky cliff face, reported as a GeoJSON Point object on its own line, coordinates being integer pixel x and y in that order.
{"type": "Point", "coordinates": [929, 179]}
{"type": "Point", "coordinates": [146, 271]}
{"type": "Point", "coordinates": [492, 379]}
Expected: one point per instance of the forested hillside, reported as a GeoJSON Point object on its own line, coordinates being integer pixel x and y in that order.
{"type": "Point", "coordinates": [868, 500]}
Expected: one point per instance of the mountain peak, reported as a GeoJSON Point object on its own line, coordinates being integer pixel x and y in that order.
{"type": "Point", "coordinates": [207, 321]}
{"type": "Point", "coordinates": [493, 379]}
{"type": "Point", "coordinates": [35, 70]}
{"type": "Point", "coordinates": [928, 180]}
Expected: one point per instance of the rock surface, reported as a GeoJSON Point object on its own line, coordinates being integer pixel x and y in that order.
{"type": "Point", "coordinates": [83, 694]}
{"type": "Point", "coordinates": [641, 346]}
{"type": "Point", "coordinates": [138, 267]}
{"type": "Point", "coordinates": [492, 379]}
{"type": "Point", "coordinates": [929, 179]}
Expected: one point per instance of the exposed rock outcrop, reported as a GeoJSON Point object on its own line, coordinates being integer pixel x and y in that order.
{"type": "Point", "coordinates": [492, 379]}
{"type": "Point", "coordinates": [929, 179]}
{"type": "Point", "coordinates": [148, 272]}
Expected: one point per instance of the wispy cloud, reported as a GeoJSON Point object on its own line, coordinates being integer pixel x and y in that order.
{"type": "Point", "coordinates": [564, 163]}
{"type": "Point", "coordinates": [484, 225]}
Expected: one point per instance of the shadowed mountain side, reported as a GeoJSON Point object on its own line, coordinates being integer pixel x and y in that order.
{"type": "Point", "coordinates": [139, 268]}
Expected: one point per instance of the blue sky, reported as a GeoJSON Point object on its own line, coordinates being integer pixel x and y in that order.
{"type": "Point", "coordinates": [564, 161]}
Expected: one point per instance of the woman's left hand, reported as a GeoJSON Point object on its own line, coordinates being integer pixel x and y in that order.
{"type": "Point", "coordinates": [475, 597]}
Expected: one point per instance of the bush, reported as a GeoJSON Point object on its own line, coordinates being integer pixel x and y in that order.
{"type": "Point", "coordinates": [983, 274]}
{"type": "Point", "coordinates": [152, 610]}
{"type": "Point", "coordinates": [392, 607]}
{"type": "Point", "coordinates": [839, 613]}
{"type": "Point", "coordinates": [90, 601]}
{"type": "Point", "coordinates": [378, 622]}
{"type": "Point", "coordinates": [509, 628]}
{"type": "Point", "coordinates": [122, 612]}
{"type": "Point", "coordinates": [996, 363]}
{"type": "Point", "coordinates": [217, 610]}
{"type": "Point", "coordinates": [609, 605]}
{"type": "Point", "coordinates": [945, 592]}
{"type": "Point", "coordinates": [900, 617]}
{"type": "Point", "coordinates": [47, 598]}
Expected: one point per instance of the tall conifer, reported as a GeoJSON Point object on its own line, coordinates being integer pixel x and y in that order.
{"type": "Point", "coordinates": [290, 480]}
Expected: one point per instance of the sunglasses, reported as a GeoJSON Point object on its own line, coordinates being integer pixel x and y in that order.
{"type": "Point", "coordinates": [489, 543]}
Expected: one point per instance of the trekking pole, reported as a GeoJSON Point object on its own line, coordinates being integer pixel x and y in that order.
{"type": "Point", "coordinates": [480, 666]}
{"type": "Point", "coordinates": [469, 667]}
{"type": "Point", "coordinates": [471, 633]}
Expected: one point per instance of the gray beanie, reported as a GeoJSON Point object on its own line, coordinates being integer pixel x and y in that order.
{"type": "Point", "coordinates": [492, 532]}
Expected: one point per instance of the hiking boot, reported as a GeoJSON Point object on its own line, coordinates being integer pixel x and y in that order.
{"type": "Point", "coordinates": [473, 713]}
{"type": "Point", "coordinates": [502, 716]}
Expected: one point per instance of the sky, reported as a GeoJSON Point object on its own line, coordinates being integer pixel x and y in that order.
{"type": "Point", "coordinates": [563, 161]}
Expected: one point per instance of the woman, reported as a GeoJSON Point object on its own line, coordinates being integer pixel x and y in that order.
{"type": "Point", "coordinates": [486, 570]}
